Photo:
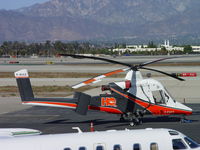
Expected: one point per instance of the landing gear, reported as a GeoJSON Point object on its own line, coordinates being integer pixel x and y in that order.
{"type": "Point", "coordinates": [135, 118]}
{"type": "Point", "coordinates": [132, 124]}
{"type": "Point", "coordinates": [135, 121]}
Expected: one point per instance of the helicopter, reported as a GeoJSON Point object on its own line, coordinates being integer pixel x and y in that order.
{"type": "Point", "coordinates": [131, 98]}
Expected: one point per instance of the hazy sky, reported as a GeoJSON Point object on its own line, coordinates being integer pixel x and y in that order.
{"type": "Point", "coordinates": [14, 4]}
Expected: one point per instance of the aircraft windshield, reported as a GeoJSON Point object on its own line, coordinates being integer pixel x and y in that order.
{"type": "Point", "coordinates": [158, 97]}
{"type": "Point", "coordinates": [191, 143]}
{"type": "Point", "coordinates": [169, 94]}
{"type": "Point", "coordinates": [178, 144]}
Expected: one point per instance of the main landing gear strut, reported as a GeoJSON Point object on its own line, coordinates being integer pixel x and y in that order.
{"type": "Point", "coordinates": [134, 118]}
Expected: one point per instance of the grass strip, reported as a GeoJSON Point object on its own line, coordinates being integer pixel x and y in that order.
{"type": "Point", "coordinates": [14, 89]}
{"type": "Point", "coordinates": [58, 75]}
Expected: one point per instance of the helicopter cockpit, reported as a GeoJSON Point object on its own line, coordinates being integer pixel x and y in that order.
{"type": "Point", "coordinates": [160, 95]}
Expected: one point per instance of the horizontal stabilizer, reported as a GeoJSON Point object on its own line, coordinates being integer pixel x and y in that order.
{"type": "Point", "coordinates": [16, 132]}
{"type": "Point", "coordinates": [83, 102]}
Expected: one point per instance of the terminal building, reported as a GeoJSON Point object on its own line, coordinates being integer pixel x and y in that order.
{"type": "Point", "coordinates": [142, 48]}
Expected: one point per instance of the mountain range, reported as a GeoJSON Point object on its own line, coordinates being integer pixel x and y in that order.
{"type": "Point", "coordinates": [69, 20]}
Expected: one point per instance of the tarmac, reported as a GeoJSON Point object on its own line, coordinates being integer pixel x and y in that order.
{"type": "Point", "coordinates": [60, 120]}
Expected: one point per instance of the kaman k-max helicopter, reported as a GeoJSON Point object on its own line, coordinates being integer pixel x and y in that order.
{"type": "Point", "coordinates": [132, 98]}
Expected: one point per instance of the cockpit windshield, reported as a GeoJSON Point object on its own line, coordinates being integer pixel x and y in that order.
{"type": "Point", "coordinates": [158, 97]}
{"type": "Point", "coordinates": [181, 144]}
{"type": "Point", "coordinates": [169, 95]}
{"type": "Point", "coordinates": [178, 144]}
{"type": "Point", "coordinates": [191, 143]}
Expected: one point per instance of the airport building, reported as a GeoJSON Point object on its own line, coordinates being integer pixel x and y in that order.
{"type": "Point", "coordinates": [196, 48]}
{"type": "Point", "coordinates": [142, 48]}
{"type": "Point", "coordinates": [137, 48]}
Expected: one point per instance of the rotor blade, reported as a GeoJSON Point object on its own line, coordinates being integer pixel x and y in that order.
{"type": "Point", "coordinates": [157, 60]}
{"type": "Point", "coordinates": [173, 76]}
{"type": "Point", "coordinates": [98, 78]}
{"type": "Point", "coordinates": [96, 58]}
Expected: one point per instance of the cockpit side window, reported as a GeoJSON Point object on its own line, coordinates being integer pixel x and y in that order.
{"type": "Point", "coordinates": [178, 144]}
{"type": "Point", "coordinates": [158, 97]}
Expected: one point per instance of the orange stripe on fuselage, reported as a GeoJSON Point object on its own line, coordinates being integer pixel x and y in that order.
{"type": "Point", "coordinates": [155, 109]}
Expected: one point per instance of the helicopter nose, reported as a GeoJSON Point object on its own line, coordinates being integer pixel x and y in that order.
{"type": "Point", "coordinates": [189, 111]}
{"type": "Point", "coordinates": [186, 110]}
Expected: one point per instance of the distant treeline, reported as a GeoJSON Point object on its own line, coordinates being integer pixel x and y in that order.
{"type": "Point", "coordinates": [48, 49]}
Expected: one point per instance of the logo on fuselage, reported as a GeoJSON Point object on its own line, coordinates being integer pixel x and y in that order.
{"type": "Point", "coordinates": [108, 101]}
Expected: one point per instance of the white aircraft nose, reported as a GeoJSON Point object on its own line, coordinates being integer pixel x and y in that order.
{"type": "Point", "coordinates": [188, 108]}
{"type": "Point", "coordinates": [184, 107]}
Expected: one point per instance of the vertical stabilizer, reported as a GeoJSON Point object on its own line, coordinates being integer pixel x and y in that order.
{"type": "Point", "coordinates": [24, 85]}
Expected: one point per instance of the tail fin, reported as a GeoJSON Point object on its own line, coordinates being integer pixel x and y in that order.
{"type": "Point", "coordinates": [24, 85]}
{"type": "Point", "coordinates": [79, 102]}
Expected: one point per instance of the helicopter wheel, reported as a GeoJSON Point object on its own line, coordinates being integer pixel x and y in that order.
{"type": "Point", "coordinates": [136, 121]}
{"type": "Point", "coordinates": [132, 124]}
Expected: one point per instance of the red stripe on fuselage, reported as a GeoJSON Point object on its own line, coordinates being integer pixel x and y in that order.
{"type": "Point", "coordinates": [153, 108]}
{"type": "Point", "coordinates": [53, 103]}
{"type": "Point", "coordinates": [105, 109]}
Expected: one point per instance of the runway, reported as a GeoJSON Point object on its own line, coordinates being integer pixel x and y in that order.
{"type": "Point", "coordinates": [126, 59]}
